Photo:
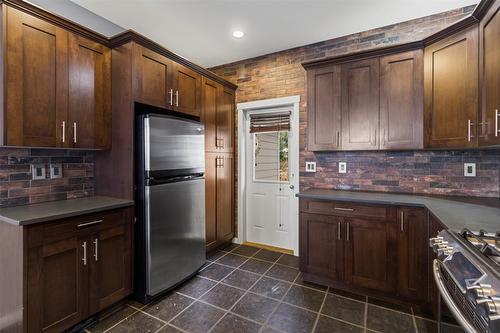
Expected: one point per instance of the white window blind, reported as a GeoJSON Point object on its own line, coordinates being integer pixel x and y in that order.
{"type": "Point", "coordinates": [269, 122]}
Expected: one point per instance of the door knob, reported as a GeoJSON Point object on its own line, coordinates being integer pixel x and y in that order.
{"type": "Point", "coordinates": [292, 187]}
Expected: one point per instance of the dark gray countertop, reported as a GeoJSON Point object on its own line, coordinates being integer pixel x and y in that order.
{"type": "Point", "coordinates": [454, 213]}
{"type": "Point", "coordinates": [48, 211]}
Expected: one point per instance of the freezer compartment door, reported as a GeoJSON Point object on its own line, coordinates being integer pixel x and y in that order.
{"type": "Point", "coordinates": [175, 225]}
{"type": "Point", "coordinates": [173, 143]}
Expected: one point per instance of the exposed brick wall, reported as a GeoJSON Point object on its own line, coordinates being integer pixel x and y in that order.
{"type": "Point", "coordinates": [437, 172]}
{"type": "Point", "coordinates": [17, 188]}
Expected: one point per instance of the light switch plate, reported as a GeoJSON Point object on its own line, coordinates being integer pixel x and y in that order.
{"type": "Point", "coordinates": [37, 171]}
{"type": "Point", "coordinates": [55, 170]}
{"type": "Point", "coordinates": [310, 166]}
{"type": "Point", "coordinates": [470, 169]}
{"type": "Point", "coordinates": [342, 167]}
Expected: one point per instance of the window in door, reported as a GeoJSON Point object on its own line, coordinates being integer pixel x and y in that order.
{"type": "Point", "coordinates": [271, 156]}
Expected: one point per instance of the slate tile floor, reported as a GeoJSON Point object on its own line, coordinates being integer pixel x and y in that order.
{"type": "Point", "coordinates": [243, 289]}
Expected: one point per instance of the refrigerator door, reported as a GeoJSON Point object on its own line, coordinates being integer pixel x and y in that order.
{"type": "Point", "coordinates": [175, 225]}
{"type": "Point", "coordinates": [173, 146]}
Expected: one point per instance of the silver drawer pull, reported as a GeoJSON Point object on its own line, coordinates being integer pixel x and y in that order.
{"type": "Point", "coordinates": [348, 233]}
{"type": "Point", "coordinates": [497, 115]}
{"type": "Point", "coordinates": [344, 209]}
{"type": "Point", "coordinates": [88, 223]}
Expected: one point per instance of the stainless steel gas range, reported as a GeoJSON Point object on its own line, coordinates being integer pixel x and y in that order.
{"type": "Point", "coordinates": [467, 274]}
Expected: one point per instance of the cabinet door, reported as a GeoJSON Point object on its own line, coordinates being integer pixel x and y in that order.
{"type": "Point", "coordinates": [413, 243]}
{"type": "Point", "coordinates": [90, 93]}
{"type": "Point", "coordinates": [324, 109]}
{"type": "Point", "coordinates": [187, 95]}
{"type": "Point", "coordinates": [111, 261]}
{"type": "Point", "coordinates": [489, 74]}
{"type": "Point", "coordinates": [211, 168]}
{"type": "Point", "coordinates": [57, 285]}
{"type": "Point", "coordinates": [36, 69]}
{"type": "Point", "coordinates": [210, 98]}
{"type": "Point", "coordinates": [225, 120]}
{"type": "Point", "coordinates": [153, 78]}
{"type": "Point", "coordinates": [360, 105]}
{"type": "Point", "coordinates": [321, 245]}
{"type": "Point", "coordinates": [370, 247]}
{"type": "Point", "coordinates": [450, 91]}
{"type": "Point", "coordinates": [225, 197]}
{"type": "Point", "coordinates": [401, 101]}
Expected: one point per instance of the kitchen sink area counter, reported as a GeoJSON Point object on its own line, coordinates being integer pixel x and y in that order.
{"type": "Point", "coordinates": [454, 213]}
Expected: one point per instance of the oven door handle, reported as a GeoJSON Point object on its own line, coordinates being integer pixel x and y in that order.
{"type": "Point", "coordinates": [455, 310]}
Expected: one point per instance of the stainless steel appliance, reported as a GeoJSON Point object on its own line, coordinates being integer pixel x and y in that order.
{"type": "Point", "coordinates": [170, 231]}
{"type": "Point", "coordinates": [467, 274]}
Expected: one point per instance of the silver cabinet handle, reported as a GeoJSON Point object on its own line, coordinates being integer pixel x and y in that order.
{"type": "Point", "coordinates": [63, 136]}
{"type": "Point", "coordinates": [81, 225]}
{"type": "Point", "coordinates": [338, 139]}
{"type": "Point", "coordinates": [96, 242]}
{"type": "Point", "coordinates": [344, 209]}
{"type": "Point", "coordinates": [74, 132]}
{"type": "Point", "coordinates": [171, 93]}
{"type": "Point", "coordinates": [402, 221]}
{"type": "Point", "coordinates": [469, 124]}
{"type": "Point", "coordinates": [177, 98]}
{"type": "Point", "coordinates": [497, 115]}
{"type": "Point", "coordinates": [339, 231]}
{"type": "Point", "coordinates": [84, 259]}
{"type": "Point", "coordinates": [347, 232]}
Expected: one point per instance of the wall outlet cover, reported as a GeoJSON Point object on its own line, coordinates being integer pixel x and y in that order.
{"type": "Point", "coordinates": [37, 171]}
{"type": "Point", "coordinates": [470, 169]}
{"type": "Point", "coordinates": [342, 167]}
{"type": "Point", "coordinates": [56, 170]}
{"type": "Point", "coordinates": [310, 166]}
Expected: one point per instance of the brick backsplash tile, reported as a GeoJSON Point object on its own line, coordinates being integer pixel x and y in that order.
{"type": "Point", "coordinates": [428, 172]}
{"type": "Point", "coordinates": [17, 187]}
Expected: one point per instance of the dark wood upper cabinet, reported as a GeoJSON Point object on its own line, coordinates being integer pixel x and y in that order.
{"type": "Point", "coordinates": [36, 81]}
{"type": "Point", "coordinates": [210, 102]}
{"type": "Point", "coordinates": [370, 254]}
{"type": "Point", "coordinates": [187, 94]}
{"type": "Point", "coordinates": [225, 120]}
{"type": "Point", "coordinates": [489, 76]}
{"type": "Point", "coordinates": [324, 113]}
{"type": "Point", "coordinates": [360, 105]}
{"type": "Point", "coordinates": [412, 252]}
{"type": "Point", "coordinates": [153, 78]}
{"type": "Point", "coordinates": [401, 101]}
{"type": "Point", "coordinates": [321, 245]}
{"type": "Point", "coordinates": [451, 91]}
{"type": "Point", "coordinates": [89, 112]}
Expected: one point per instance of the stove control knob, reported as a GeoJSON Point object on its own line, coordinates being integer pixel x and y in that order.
{"type": "Point", "coordinates": [492, 304]}
{"type": "Point", "coordinates": [440, 248]}
{"type": "Point", "coordinates": [435, 240]}
{"type": "Point", "coordinates": [482, 290]}
{"type": "Point", "coordinates": [448, 250]}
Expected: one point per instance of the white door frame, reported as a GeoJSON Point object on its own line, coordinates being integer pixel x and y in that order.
{"type": "Point", "coordinates": [254, 106]}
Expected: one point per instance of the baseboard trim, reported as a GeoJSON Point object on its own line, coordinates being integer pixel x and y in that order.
{"type": "Point", "coordinates": [270, 248]}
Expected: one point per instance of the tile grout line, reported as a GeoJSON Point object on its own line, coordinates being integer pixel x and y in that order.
{"type": "Point", "coordinates": [239, 299]}
{"type": "Point", "coordinates": [279, 303]}
{"type": "Point", "coordinates": [121, 321]}
{"type": "Point", "coordinates": [366, 316]}
{"type": "Point", "coordinates": [320, 310]}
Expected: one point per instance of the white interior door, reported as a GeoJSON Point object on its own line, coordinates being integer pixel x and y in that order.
{"type": "Point", "coordinates": [271, 180]}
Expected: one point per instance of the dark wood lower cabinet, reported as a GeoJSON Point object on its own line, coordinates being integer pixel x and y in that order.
{"type": "Point", "coordinates": [376, 250]}
{"type": "Point", "coordinates": [75, 268]}
{"type": "Point", "coordinates": [370, 254]}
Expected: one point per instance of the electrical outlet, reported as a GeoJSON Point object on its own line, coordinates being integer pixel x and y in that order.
{"type": "Point", "coordinates": [310, 166]}
{"type": "Point", "coordinates": [56, 170]}
{"type": "Point", "coordinates": [37, 171]}
{"type": "Point", "coordinates": [342, 167]}
{"type": "Point", "coordinates": [470, 169]}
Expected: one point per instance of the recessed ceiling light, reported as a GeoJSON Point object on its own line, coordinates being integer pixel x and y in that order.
{"type": "Point", "coordinates": [238, 34]}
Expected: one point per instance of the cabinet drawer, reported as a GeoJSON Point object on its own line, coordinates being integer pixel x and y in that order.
{"type": "Point", "coordinates": [344, 208]}
{"type": "Point", "coordinates": [64, 228]}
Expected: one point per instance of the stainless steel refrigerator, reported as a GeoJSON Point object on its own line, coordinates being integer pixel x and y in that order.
{"type": "Point", "coordinates": [170, 178]}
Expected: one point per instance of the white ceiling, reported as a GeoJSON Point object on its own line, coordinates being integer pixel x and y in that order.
{"type": "Point", "coordinates": [201, 30]}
